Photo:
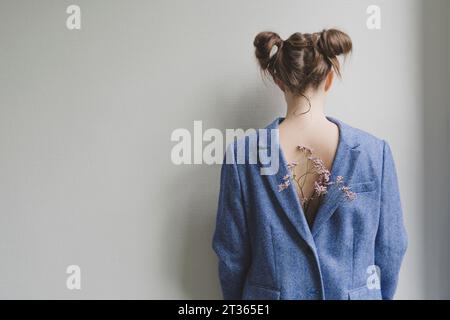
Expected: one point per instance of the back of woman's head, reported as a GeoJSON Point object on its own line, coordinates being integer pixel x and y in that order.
{"type": "Point", "coordinates": [304, 59]}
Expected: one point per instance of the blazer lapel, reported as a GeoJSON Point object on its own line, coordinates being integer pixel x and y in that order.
{"type": "Point", "coordinates": [344, 164]}
{"type": "Point", "coordinates": [287, 198]}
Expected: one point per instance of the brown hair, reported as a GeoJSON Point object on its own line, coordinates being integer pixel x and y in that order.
{"type": "Point", "coordinates": [304, 59]}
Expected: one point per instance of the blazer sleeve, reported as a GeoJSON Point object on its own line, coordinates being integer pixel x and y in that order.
{"type": "Point", "coordinates": [391, 239]}
{"type": "Point", "coordinates": [230, 239]}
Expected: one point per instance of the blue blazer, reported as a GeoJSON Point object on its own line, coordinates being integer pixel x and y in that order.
{"type": "Point", "coordinates": [354, 249]}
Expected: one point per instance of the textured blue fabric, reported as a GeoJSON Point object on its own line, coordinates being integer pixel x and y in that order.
{"type": "Point", "coordinates": [266, 249]}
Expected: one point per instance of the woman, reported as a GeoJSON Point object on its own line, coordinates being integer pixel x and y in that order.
{"type": "Point", "coordinates": [328, 224]}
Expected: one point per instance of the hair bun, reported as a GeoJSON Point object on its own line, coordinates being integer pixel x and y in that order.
{"type": "Point", "coordinates": [333, 42]}
{"type": "Point", "coordinates": [264, 47]}
{"type": "Point", "coordinates": [303, 60]}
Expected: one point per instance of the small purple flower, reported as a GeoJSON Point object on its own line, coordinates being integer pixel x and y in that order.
{"type": "Point", "coordinates": [319, 189]}
{"type": "Point", "coordinates": [283, 186]}
{"type": "Point", "coordinates": [339, 179]}
{"type": "Point", "coordinates": [292, 165]}
{"type": "Point", "coordinates": [305, 149]}
{"type": "Point", "coordinates": [318, 163]}
{"type": "Point", "coordinates": [324, 180]}
{"type": "Point", "coordinates": [322, 171]}
{"type": "Point", "coordinates": [350, 195]}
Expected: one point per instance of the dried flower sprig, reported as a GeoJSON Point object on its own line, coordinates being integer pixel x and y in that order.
{"type": "Point", "coordinates": [322, 182]}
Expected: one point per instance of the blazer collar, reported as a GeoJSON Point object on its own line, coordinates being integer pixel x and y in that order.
{"type": "Point", "coordinates": [346, 133]}
{"type": "Point", "coordinates": [344, 164]}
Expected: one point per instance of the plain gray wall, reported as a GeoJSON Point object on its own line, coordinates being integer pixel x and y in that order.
{"type": "Point", "coordinates": [436, 105]}
{"type": "Point", "coordinates": [86, 118]}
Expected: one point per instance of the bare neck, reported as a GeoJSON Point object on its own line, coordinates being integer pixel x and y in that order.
{"type": "Point", "coordinates": [313, 111]}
